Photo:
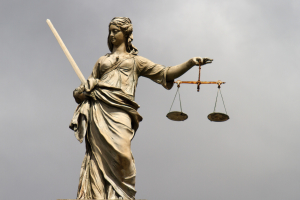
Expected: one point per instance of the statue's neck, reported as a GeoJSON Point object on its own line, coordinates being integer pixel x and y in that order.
{"type": "Point", "coordinates": [119, 50]}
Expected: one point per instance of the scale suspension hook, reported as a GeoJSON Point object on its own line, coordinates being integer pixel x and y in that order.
{"type": "Point", "coordinates": [178, 82]}
{"type": "Point", "coordinates": [219, 82]}
{"type": "Point", "coordinates": [198, 84]}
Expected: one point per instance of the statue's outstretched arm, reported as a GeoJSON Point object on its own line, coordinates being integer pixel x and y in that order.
{"type": "Point", "coordinates": [178, 70]}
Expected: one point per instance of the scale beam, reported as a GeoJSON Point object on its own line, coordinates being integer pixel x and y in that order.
{"type": "Point", "coordinates": [200, 82]}
{"type": "Point", "coordinates": [215, 116]}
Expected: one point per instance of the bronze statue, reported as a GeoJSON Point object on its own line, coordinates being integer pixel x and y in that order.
{"type": "Point", "coordinates": [107, 114]}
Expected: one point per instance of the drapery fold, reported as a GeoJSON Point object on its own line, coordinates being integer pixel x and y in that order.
{"type": "Point", "coordinates": [109, 95]}
{"type": "Point", "coordinates": [108, 121]}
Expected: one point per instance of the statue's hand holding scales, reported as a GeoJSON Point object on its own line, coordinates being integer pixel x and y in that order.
{"type": "Point", "coordinates": [202, 61]}
{"type": "Point", "coordinates": [178, 70]}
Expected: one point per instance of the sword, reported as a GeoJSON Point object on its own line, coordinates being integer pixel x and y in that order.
{"type": "Point", "coordinates": [67, 53]}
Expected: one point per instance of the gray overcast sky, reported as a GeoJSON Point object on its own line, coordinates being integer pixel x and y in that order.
{"type": "Point", "coordinates": [255, 46]}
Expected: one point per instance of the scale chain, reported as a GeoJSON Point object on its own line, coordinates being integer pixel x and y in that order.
{"type": "Point", "coordinates": [174, 100]}
{"type": "Point", "coordinates": [223, 102]}
{"type": "Point", "coordinates": [216, 99]}
{"type": "Point", "coordinates": [219, 90]}
{"type": "Point", "coordinates": [179, 100]}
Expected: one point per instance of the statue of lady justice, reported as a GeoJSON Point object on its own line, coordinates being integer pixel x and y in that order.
{"type": "Point", "coordinates": [107, 114]}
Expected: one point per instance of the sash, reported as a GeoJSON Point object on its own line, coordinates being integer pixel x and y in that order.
{"type": "Point", "coordinates": [116, 64]}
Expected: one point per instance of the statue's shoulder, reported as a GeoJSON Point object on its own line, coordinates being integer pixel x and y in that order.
{"type": "Point", "coordinates": [141, 60]}
{"type": "Point", "coordinates": [99, 61]}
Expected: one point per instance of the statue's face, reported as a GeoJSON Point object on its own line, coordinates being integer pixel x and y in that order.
{"type": "Point", "coordinates": [116, 36]}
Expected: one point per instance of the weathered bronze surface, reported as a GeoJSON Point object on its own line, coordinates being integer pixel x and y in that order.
{"type": "Point", "coordinates": [218, 117]}
{"type": "Point", "coordinates": [177, 116]}
{"type": "Point", "coordinates": [107, 116]}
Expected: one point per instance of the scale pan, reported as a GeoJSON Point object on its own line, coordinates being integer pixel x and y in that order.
{"type": "Point", "coordinates": [177, 116]}
{"type": "Point", "coordinates": [218, 117]}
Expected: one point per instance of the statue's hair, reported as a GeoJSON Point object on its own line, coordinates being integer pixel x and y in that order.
{"type": "Point", "coordinates": [124, 23]}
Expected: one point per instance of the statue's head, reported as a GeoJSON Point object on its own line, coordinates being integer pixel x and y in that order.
{"type": "Point", "coordinates": [124, 23]}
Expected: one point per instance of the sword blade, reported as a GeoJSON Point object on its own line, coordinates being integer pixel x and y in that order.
{"type": "Point", "coordinates": [67, 53]}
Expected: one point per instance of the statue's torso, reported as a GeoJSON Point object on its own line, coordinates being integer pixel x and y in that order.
{"type": "Point", "coordinates": [125, 76]}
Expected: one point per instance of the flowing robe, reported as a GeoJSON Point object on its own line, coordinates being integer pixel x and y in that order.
{"type": "Point", "coordinates": [108, 121]}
